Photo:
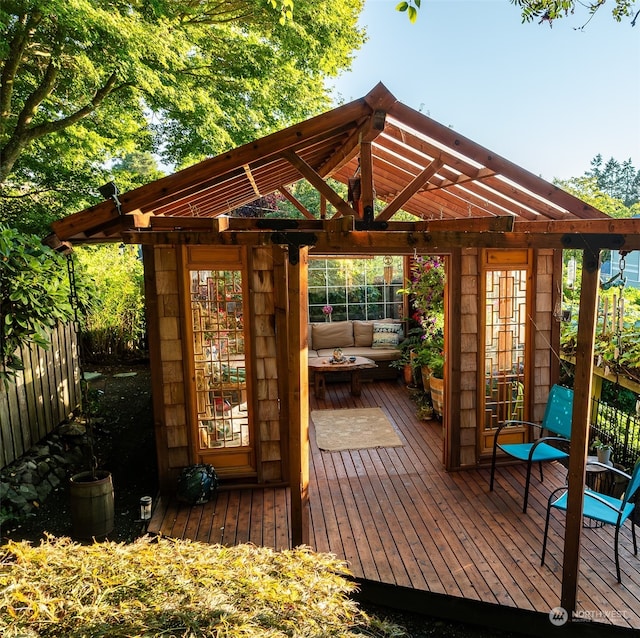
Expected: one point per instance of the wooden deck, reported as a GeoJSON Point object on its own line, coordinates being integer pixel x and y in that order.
{"type": "Point", "coordinates": [409, 528]}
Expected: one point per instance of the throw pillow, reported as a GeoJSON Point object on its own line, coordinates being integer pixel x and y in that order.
{"type": "Point", "coordinates": [386, 335]}
{"type": "Point", "coordinates": [337, 334]}
{"type": "Point", "coordinates": [362, 333]}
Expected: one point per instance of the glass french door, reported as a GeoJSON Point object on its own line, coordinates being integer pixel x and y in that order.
{"type": "Point", "coordinates": [506, 300]}
{"type": "Point", "coordinates": [219, 363]}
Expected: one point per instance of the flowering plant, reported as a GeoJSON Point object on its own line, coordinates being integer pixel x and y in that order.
{"type": "Point", "coordinates": [426, 288]}
{"type": "Point", "coordinates": [327, 310]}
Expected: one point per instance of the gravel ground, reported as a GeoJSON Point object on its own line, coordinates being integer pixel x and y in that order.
{"type": "Point", "coordinates": [123, 426]}
{"type": "Point", "coordinates": [122, 420]}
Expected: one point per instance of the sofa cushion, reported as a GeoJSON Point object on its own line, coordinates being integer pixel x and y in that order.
{"type": "Point", "coordinates": [337, 334]}
{"type": "Point", "coordinates": [386, 335]}
{"type": "Point", "coordinates": [363, 333]}
{"type": "Point", "coordinates": [375, 354]}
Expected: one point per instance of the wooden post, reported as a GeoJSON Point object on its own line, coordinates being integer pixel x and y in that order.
{"type": "Point", "coordinates": [298, 399]}
{"type": "Point", "coordinates": [587, 320]}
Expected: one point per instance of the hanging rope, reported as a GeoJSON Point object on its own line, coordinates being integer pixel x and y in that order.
{"type": "Point", "coordinates": [563, 364]}
{"type": "Point", "coordinates": [84, 385]}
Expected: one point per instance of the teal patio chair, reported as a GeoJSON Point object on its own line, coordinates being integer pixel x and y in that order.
{"type": "Point", "coordinates": [603, 509]}
{"type": "Point", "coordinates": [549, 447]}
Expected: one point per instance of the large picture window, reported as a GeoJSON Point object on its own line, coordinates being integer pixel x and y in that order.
{"type": "Point", "coordinates": [359, 288]}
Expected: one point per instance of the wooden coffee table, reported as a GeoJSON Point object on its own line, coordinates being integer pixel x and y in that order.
{"type": "Point", "coordinates": [320, 366]}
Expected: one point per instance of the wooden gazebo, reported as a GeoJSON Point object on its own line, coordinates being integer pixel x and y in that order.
{"type": "Point", "coordinates": [475, 207]}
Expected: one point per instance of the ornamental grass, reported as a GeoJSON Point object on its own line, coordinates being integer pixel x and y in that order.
{"type": "Point", "coordinates": [170, 588]}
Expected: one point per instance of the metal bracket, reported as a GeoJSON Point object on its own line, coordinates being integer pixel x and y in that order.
{"type": "Point", "coordinates": [294, 241]}
{"type": "Point", "coordinates": [592, 244]}
{"type": "Point", "coordinates": [592, 241]}
{"type": "Point", "coordinates": [368, 223]}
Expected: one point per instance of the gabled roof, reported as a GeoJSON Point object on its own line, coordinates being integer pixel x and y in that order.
{"type": "Point", "coordinates": [391, 152]}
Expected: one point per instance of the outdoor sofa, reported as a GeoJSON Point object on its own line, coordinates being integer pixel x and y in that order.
{"type": "Point", "coordinates": [376, 340]}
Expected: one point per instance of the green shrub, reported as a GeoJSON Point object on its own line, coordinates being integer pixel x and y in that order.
{"type": "Point", "coordinates": [115, 324]}
{"type": "Point", "coordinates": [34, 296]}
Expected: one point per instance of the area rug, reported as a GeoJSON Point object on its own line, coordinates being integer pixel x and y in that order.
{"type": "Point", "coordinates": [354, 429]}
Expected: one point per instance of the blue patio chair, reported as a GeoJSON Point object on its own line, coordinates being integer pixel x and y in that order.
{"type": "Point", "coordinates": [551, 447]}
{"type": "Point", "coordinates": [603, 509]}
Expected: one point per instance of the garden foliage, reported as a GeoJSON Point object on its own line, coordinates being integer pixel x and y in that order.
{"type": "Point", "coordinates": [34, 295]}
{"type": "Point", "coordinates": [162, 587]}
{"type": "Point", "coordinates": [115, 324]}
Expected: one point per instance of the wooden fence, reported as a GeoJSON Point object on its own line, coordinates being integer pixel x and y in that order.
{"type": "Point", "coordinates": [43, 395]}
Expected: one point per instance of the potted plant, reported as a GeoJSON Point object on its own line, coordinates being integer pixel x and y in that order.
{"type": "Point", "coordinates": [407, 349]}
{"type": "Point", "coordinates": [425, 407]}
{"type": "Point", "coordinates": [426, 291]}
{"type": "Point", "coordinates": [603, 450]}
{"type": "Point", "coordinates": [91, 491]}
{"type": "Point", "coordinates": [403, 362]}
{"type": "Point", "coordinates": [420, 361]}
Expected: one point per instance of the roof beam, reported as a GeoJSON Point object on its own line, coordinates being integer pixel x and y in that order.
{"type": "Point", "coordinates": [296, 202]}
{"type": "Point", "coordinates": [366, 179]}
{"type": "Point", "coordinates": [627, 226]}
{"type": "Point", "coordinates": [410, 190]}
{"type": "Point", "coordinates": [465, 147]}
{"type": "Point", "coordinates": [390, 241]}
{"type": "Point", "coordinates": [317, 182]}
{"type": "Point", "coordinates": [247, 170]}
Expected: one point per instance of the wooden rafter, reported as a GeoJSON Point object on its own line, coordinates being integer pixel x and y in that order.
{"type": "Point", "coordinates": [315, 180]}
{"type": "Point", "coordinates": [411, 189]}
{"type": "Point", "coordinates": [247, 170]}
{"type": "Point", "coordinates": [296, 202]}
{"type": "Point", "coordinates": [448, 137]}
{"type": "Point", "coordinates": [395, 146]}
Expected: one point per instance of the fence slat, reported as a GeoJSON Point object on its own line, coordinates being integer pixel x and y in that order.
{"type": "Point", "coordinates": [42, 396]}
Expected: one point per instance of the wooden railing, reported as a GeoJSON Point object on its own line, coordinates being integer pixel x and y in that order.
{"type": "Point", "coordinates": [42, 396]}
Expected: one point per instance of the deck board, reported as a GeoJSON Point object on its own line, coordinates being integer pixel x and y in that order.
{"type": "Point", "coordinates": [400, 519]}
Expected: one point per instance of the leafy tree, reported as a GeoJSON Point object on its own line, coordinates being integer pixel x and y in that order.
{"type": "Point", "coordinates": [85, 83]}
{"type": "Point", "coordinates": [266, 206]}
{"type": "Point", "coordinates": [587, 189]}
{"type": "Point", "coordinates": [545, 10]}
{"type": "Point", "coordinates": [550, 10]}
{"type": "Point", "coordinates": [34, 295]}
{"type": "Point", "coordinates": [53, 188]}
{"type": "Point", "coordinates": [619, 180]}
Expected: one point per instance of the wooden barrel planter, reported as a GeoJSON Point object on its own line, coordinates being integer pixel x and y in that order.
{"type": "Point", "coordinates": [437, 395]}
{"type": "Point", "coordinates": [425, 373]}
{"type": "Point", "coordinates": [91, 504]}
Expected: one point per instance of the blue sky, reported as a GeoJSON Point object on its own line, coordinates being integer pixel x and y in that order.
{"type": "Point", "coordinates": [548, 99]}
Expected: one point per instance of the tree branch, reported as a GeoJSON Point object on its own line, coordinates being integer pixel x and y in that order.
{"type": "Point", "coordinates": [23, 136]}
{"type": "Point", "coordinates": [42, 91]}
{"type": "Point", "coordinates": [16, 51]}
{"type": "Point", "coordinates": [57, 125]}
